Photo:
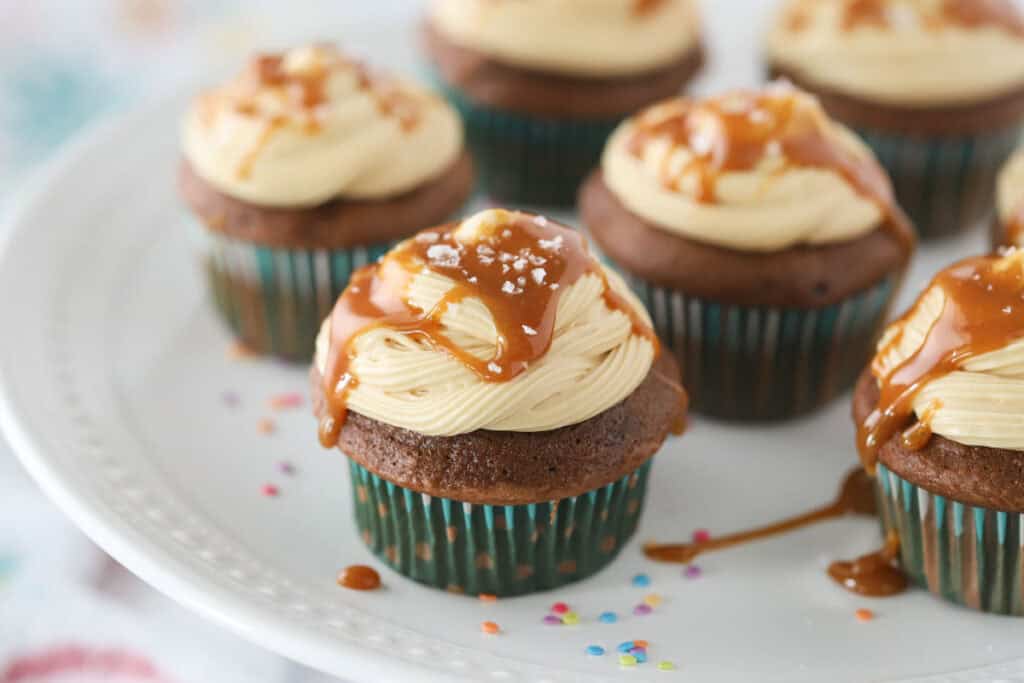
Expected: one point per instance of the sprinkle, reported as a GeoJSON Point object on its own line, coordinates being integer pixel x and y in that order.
{"type": "Point", "coordinates": [701, 536]}
{"type": "Point", "coordinates": [641, 581]}
{"type": "Point", "coordinates": [571, 619]}
{"type": "Point", "coordinates": [665, 665]}
{"type": "Point", "coordinates": [641, 656]}
{"type": "Point", "coordinates": [266, 426]}
{"type": "Point", "coordinates": [595, 650]}
{"type": "Point", "coordinates": [642, 644]}
{"type": "Point", "coordinates": [641, 609]}
{"type": "Point", "coordinates": [692, 571]}
{"type": "Point", "coordinates": [286, 467]}
{"type": "Point", "coordinates": [627, 660]}
{"type": "Point", "coordinates": [230, 399]}
{"type": "Point", "coordinates": [608, 617]}
{"type": "Point", "coordinates": [240, 351]}
{"type": "Point", "coordinates": [488, 597]}
{"type": "Point", "coordinates": [559, 608]}
{"type": "Point", "coordinates": [552, 620]}
{"type": "Point", "coordinates": [636, 650]}
{"type": "Point", "coordinates": [270, 491]}
{"type": "Point", "coordinates": [864, 615]}
{"type": "Point", "coordinates": [652, 600]}
{"type": "Point", "coordinates": [490, 627]}
{"type": "Point", "coordinates": [285, 401]}
{"type": "Point", "coordinates": [626, 646]}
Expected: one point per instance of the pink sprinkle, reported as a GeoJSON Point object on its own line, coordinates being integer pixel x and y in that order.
{"type": "Point", "coordinates": [559, 608]}
{"type": "Point", "coordinates": [701, 536]}
{"type": "Point", "coordinates": [270, 491]}
{"type": "Point", "coordinates": [641, 610]}
{"type": "Point", "coordinates": [692, 571]}
{"type": "Point", "coordinates": [230, 398]}
{"type": "Point", "coordinates": [285, 401]}
{"type": "Point", "coordinates": [286, 467]}
{"type": "Point", "coordinates": [552, 620]}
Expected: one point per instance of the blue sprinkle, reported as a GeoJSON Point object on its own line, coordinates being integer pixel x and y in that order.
{"type": "Point", "coordinates": [595, 650]}
{"type": "Point", "coordinates": [608, 617]}
{"type": "Point", "coordinates": [640, 655]}
{"type": "Point", "coordinates": [641, 580]}
{"type": "Point", "coordinates": [626, 646]}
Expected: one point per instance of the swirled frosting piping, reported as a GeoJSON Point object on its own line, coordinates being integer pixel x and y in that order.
{"type": "Point", "coordinates": [502, 322]}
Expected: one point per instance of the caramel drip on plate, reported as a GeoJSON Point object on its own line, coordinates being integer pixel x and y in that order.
{"type": "Point", "coordinates": [966, 13]}
{"type": "Point", "coordinates": [518, 270]}
{"type": "Point", "coordinates": [359, 578]}
{"type": "Point", "coordinates": [736, 131]}
{"type": "Point", "coordinates": [983, 312]}
{"type": "Point", "coordinates": [856, 496]}
{"type": "Point", "coordinates": [873, 575]}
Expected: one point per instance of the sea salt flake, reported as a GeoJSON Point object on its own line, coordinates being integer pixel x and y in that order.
{"type": "Point", "coordinates": [472, 280]}
{"type": "Point", "coordinates": [486, 260]}
{"type": "Point", "coordinates": [552, 244]}
{"type": "Point", "coordinates": [505, 268]}
{"type": "Point", "coordinates": [529, 331]}
{"type": "Point", "coordinates": [427, 237]}
{"type": "Point", "coordinates": [506, 233]}
{"type": "Point", "coordinates": [521, 281]}
{"type": "Point", "coordinates": [520, 264]}
{"type": "Point", "coordinates": [508, 287]}
{"type": "Point", "coordinates": [541, 221]}
{"type": "Point", "coordinates": [537, 260]}
{"type": "Point", "coordinates": [494, 367]}
{"type": "Point", "coordinates": [443, 255]}
{"type": "Point", "coordinates": [538, 275]}
{"type": "Point", "coordinates": [554, 286]}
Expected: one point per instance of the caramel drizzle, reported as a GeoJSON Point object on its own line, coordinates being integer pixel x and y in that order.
{"type": "Point", "coordinates": [856, 496]}
{"type": "Point", "coordinates": [735, 131]}
{"type": "Point", "coordinates": [874, 575]}
{"type": "Point", "coordinates": [965, 13]}
{"type": "Point", "coordinates": [983, 312]}
{"type": "Point", "coordinates": [642, 7]}
{"type": "Point", "coordinates": [518, 272]}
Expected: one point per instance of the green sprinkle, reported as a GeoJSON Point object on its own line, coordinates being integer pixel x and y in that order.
{"type": "Point", "coordinates": [666, 665]}
{"type": "Point", "coordinates": [627, 660]}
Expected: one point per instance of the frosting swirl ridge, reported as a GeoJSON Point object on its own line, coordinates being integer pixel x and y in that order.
{"type": "Point", "coordinates": [1010, 198]}
{"type": "Point", "coordinates": [310, 125]}
{"type": "Point", "coordinates": [503, 322]}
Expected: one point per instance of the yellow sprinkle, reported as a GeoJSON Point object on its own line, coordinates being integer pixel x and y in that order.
{"type": "Point", "coordinates": [627, 660]}
{"type": "Point", "coordinates": [653, 600]}
{"type": "Point", "coordinates": [570, 618]}
{"type": "Point", "coordinates": [666, 665]}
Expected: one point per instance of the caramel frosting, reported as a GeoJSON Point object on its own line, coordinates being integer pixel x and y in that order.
{"type": "Point", "coordinates": [1011, 199]}
{"type": "Point", "coordinates": [502, 322]}
{"type": "Point", "coordinates": [749, 170]}
{"type": "Point", "coordinates": [954, 364]}
{"type": "Point", "coordinates": [589, 38]}
{"type": "Point", "coordinates": [903, 52]}
{"type": "Point", "coordinates": [310, 125]}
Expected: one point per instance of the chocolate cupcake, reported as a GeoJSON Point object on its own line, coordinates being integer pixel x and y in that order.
{"type": "Point", "coordinates": [303, 169]}
{"type": "Point", "coordinates": [542, 84]}
{"type": "Point", "coordinates": [935, 87]}
{"type": "Point", "coordinates": [762, 237]}
{"type": "Point", "coordinates": [499, 395]}
{"type": "Point", "coordinates": [939, 413]}
{"type": "Point", "coordinates": [1008, 230]}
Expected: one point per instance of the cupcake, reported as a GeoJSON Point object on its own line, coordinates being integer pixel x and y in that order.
{"type": "Point", "coordinates": [541, 84]}
{"type": "Point", "coordinates": [301, 170]}
{"type": "Point", "coordinates": [1009, 219]}
{"type": "Point", "coordinates": [499, 396]}
{"type": "Point", "coordinates": [939, 417]}
{"type": "Point", "coordinates": [935, 87]}
{"type": "Point", "coordinates": [763, 239]}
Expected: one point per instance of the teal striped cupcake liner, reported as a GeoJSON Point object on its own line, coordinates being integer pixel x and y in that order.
{"type": "Point", "coordinates": [274, 299]}
{"type": "Point", "coordinates": [501, 550]}
{"type": "Point", "coordinates": [945, 184]}
{"type": "Point", "coordinates": [969, 555]}
{"type": "Point", "coordinates": [526, 159]}
{"type": "Point", "coordinates": [766, 363]}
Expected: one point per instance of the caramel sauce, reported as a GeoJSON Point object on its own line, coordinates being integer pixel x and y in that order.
{"type": "Point", "coordinates": [642, 7]}
{"type": "Point", "coordinates": [874, 575]}
{"type": "Point", "coordinates": [965, 13]}
{"type": "Point", "coordinates": [983, 312]}
{"type": "Point", "coordinates": [865, 13]}
{"type": "Point", "coordinates": [734, 132]}
{"type": "Point", "coordinates": [359, 577]}
{"type": "Point", "coordinates": [856, 496]}
{"type": "Point", "coordinates": [518, 271]}
{"type": "Point", "coordinates": [272, 125]}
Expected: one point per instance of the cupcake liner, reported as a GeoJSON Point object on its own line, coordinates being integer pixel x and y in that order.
{"type": "Point", "coordinates": [528, 159]}
{"type": "Point", "coordinates": [969, 555]}
{"type": "Point", "coordinates": [275, 299]}
{"type": "Point", "coordinates": [945, 184]}
{"type": "Point", "coordinates": [766, 363]}
{"type": "Point", "coordinates": [501, 550]}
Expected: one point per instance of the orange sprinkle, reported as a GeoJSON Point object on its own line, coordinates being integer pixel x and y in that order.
{"type": "Point", "coordinates": [490, 627]}
{"type": "Point", "coordinates": [240, 351]}
{"type": "Point", "coordinates": [487, 597]}
{"type": "Point", "coordinates": [864, 615]}
{"type": "Point", "coordinates": [640, 643]}
{"type": "Point", "coordinates": [266, 426]}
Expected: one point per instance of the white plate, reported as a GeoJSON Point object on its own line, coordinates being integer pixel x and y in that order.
{"type": "Point", "coordinates": [113, 368]}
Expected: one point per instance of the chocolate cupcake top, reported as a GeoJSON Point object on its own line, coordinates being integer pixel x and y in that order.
{"type": "Point", "coordinates": [902, 52]}
{"type": "Point", "coordinates": [953, 365]}
{"type": "Point", "coordinates": [599, 38]}
{"type": "Point", "coordinates": [1011, 199]}
{"type": "Point", "coordinates": [311, 125]}
{"type": "Point", "coordinates": [504, 322]}
{"type": "Point", "coordinates": [753, 171]}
